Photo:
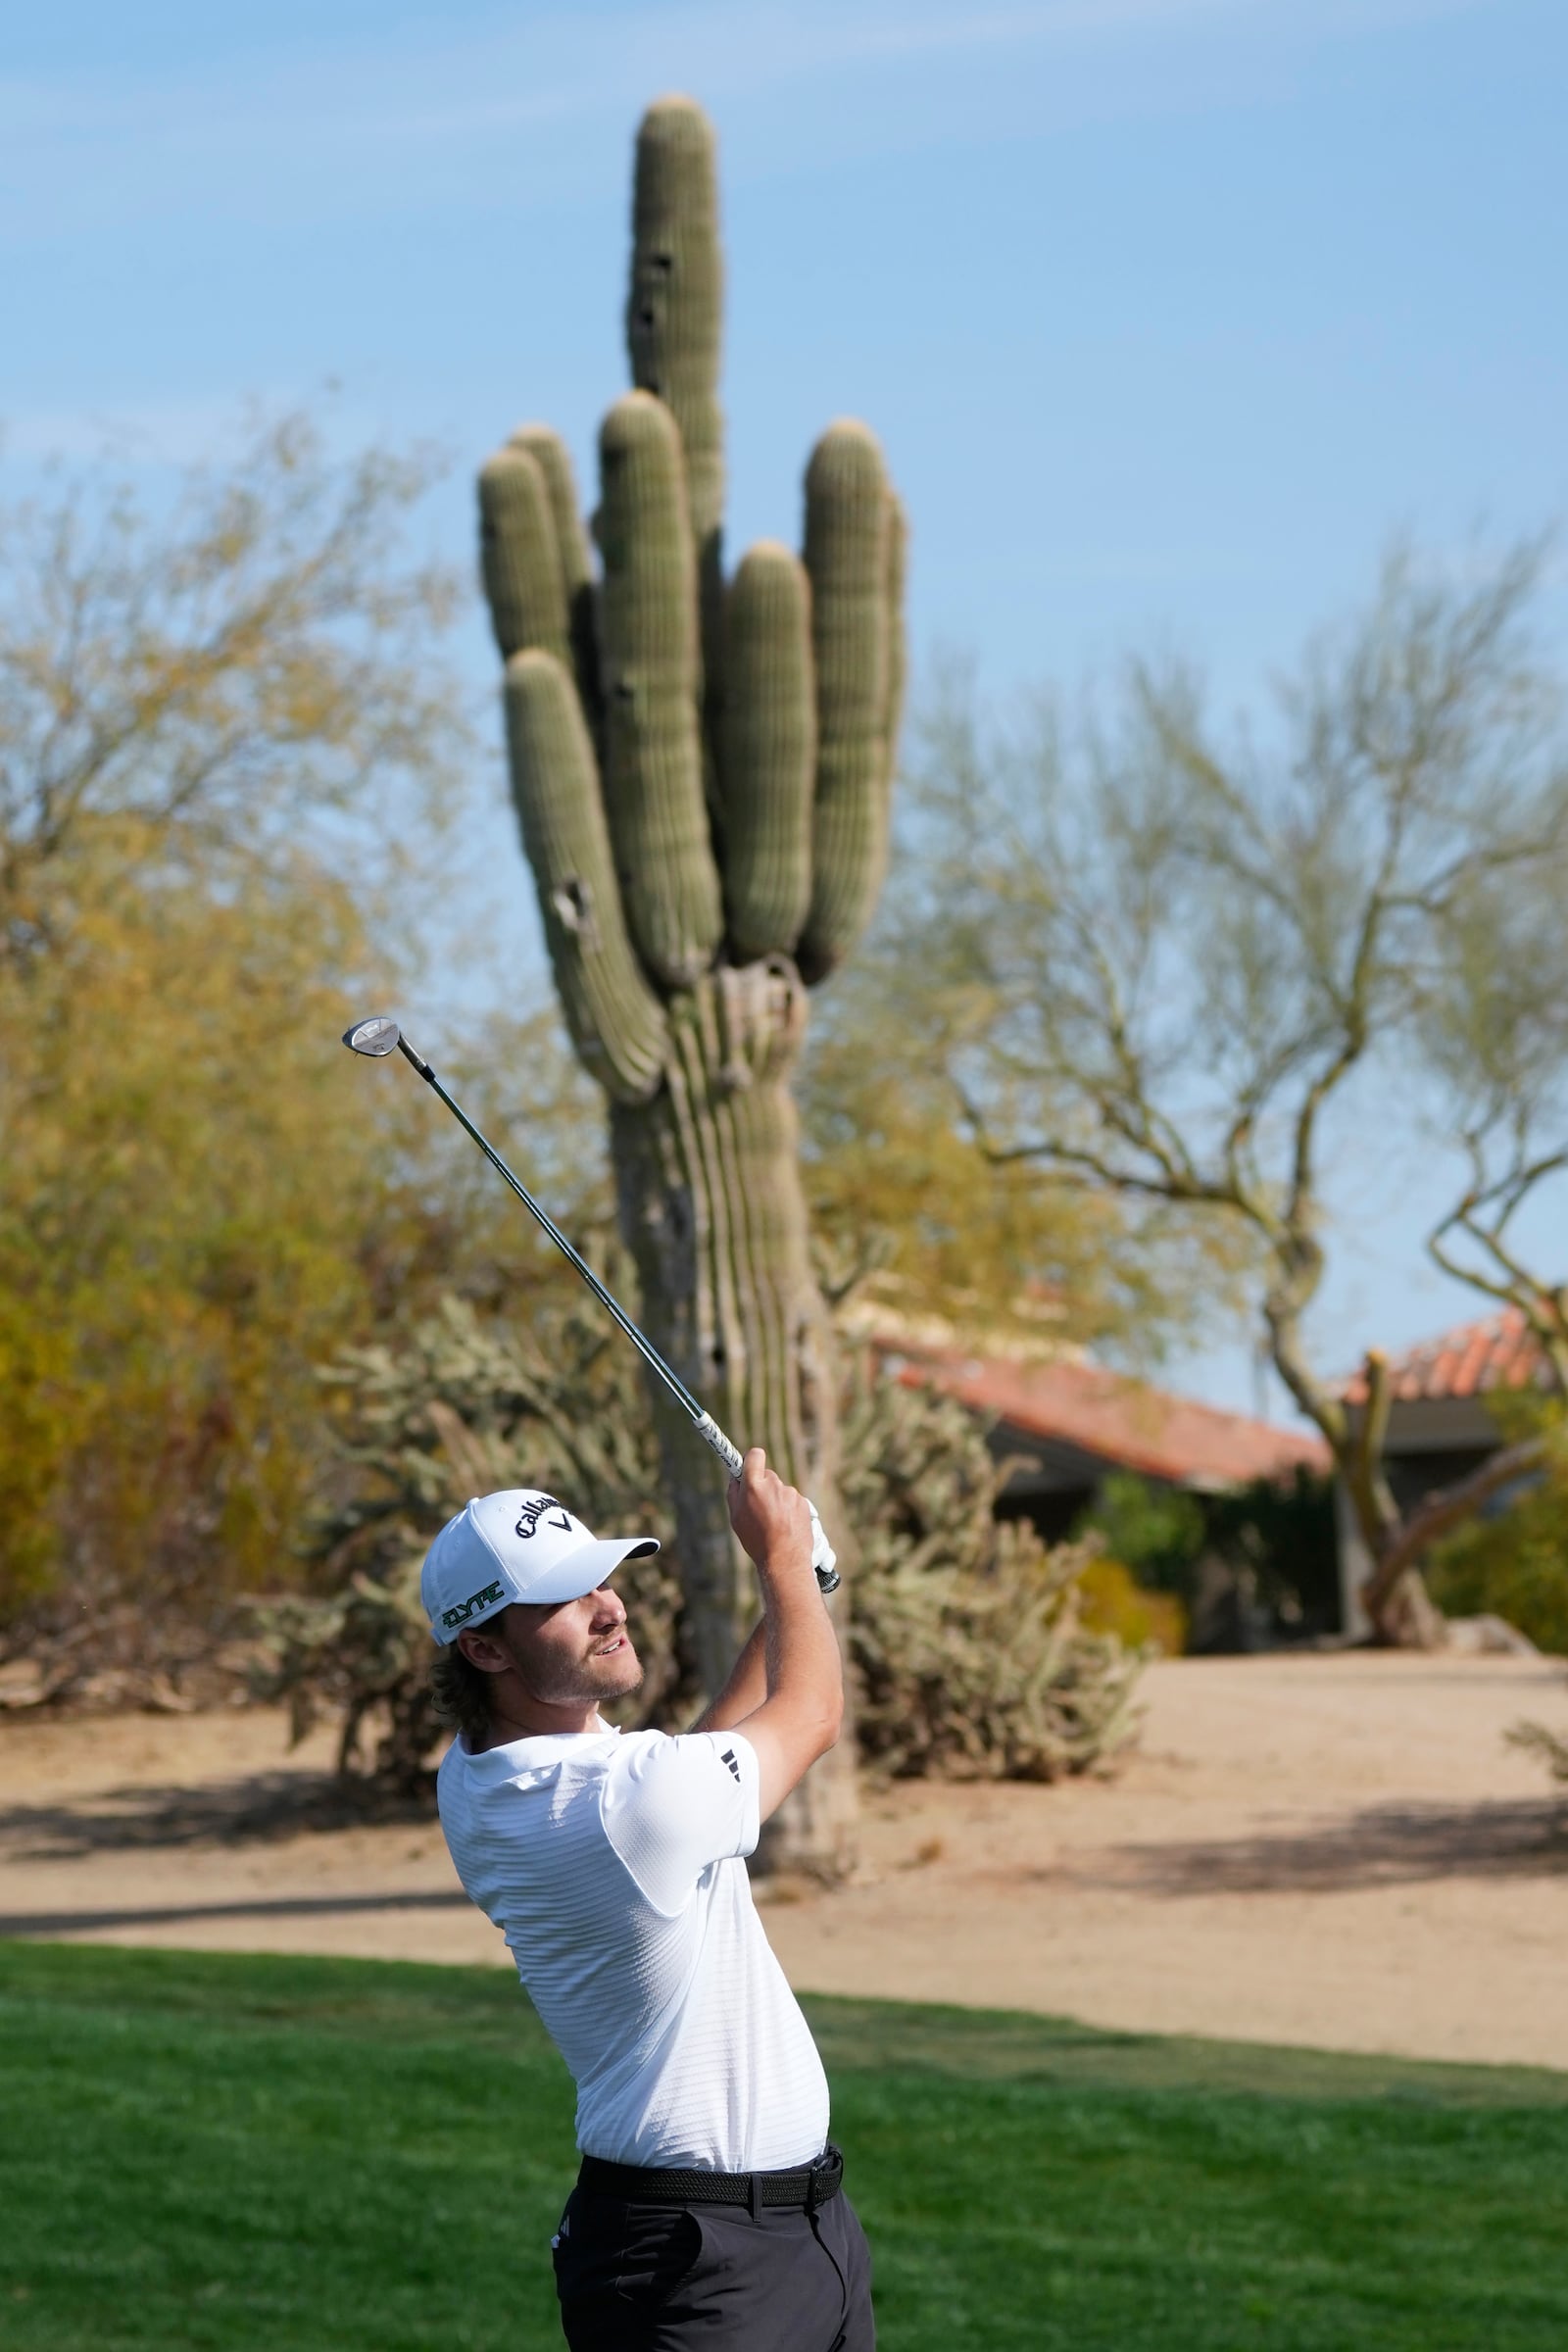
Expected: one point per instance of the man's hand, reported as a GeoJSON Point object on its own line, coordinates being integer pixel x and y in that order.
{"type": "Point", "coordinates": [771, 1519]}
{"type": "Point", "coordinates": [798, 1719]}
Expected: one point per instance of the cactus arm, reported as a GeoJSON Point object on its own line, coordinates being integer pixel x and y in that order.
{"type": "Point", "coordinates": [675, 300]}
{"type": "Point", "coordinates": [519, 559]}
{"type": "Point", "coordinates": [769, 753]}
{"type": "Point", "coordinates": [652, 761]}
{"type": "Point", "coordinates": [848, 520]}
{"type": "Point", "coordinates": [674, 327]}
{"type": "Point", "coordinates": [616, 1022]}
{"type": "Point", "coordinates": [549, 453]}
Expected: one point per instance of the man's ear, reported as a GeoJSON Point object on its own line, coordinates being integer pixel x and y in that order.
{"type": "Point", "coordinates": [481, 1648]}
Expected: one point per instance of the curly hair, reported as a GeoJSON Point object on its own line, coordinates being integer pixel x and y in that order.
{"type": "Point", "coordinates": [460, 1691]}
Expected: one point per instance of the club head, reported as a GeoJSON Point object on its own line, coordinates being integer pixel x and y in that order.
{"type": "Point", "coordinates": [377, 1035]}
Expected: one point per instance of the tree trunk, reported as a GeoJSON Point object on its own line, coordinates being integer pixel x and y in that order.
{"type": "Point", "coordinates": [1399, 1610]}
{"type": "Point", "coordinates": [710, 1205]}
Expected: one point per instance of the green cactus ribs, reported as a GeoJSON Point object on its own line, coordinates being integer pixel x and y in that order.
{"type": "Point", "coordinates": [653, 761]}
{"type": "Point", "coordinates": [743, 739]}
{"type": "Point", "coordinates": [675, 300]}
{"type": "Point", "coordinates": [769, 750]}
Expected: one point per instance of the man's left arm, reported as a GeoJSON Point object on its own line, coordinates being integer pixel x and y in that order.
{"type": "Point", "coordinates": [745, 1690]}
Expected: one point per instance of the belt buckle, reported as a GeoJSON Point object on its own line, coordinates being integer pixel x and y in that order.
{"type": "Point", "coordinates": [829, 2166]}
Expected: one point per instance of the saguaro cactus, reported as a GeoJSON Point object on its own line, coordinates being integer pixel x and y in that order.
{"type": "Point", "coordinates": [702, 773]}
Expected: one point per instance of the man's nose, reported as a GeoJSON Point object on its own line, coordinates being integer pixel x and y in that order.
{"type": "Point", "coordinates": [608, 1608]}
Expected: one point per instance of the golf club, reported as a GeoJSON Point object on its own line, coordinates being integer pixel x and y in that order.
{"type": "Point", "coordinates": [378, 1037]}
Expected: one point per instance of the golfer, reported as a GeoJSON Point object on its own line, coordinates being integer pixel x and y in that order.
{"type": "Point", "coordinates": [708, 2210]}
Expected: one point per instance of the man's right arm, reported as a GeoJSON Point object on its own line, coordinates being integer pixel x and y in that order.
{"type": "Point", "coordinates": [799, 1720]}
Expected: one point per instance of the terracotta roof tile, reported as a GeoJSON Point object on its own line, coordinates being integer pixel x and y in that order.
{"type": "Point", "coordinates": [1123, 1421]}
{"type": "Point", "coordinates": [1473, 1360]}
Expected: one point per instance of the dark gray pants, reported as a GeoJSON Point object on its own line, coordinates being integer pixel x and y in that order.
{"type": "Point", "coordinates": [663, 2278]}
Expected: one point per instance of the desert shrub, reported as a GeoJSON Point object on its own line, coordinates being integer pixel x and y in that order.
{"type": "Point", "coordinates": [1156, 1532]}
{"type": "Point", "coordinates": [972, 1657]}
{"type": "Point", "coordinates": [1112, 1600]}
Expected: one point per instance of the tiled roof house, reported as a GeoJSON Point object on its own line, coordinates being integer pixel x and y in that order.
{"type": "Point", "coordinates": [1473, 1360]}
{"type": "Point", "coordinates": [1071, 1421]}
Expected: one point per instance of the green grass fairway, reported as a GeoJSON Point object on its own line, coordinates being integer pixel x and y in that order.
{"type": "Point", "coordinates": [204, 2150]}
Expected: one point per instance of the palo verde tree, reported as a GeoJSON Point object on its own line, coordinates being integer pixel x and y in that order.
{"type": "Point", "coordinates": [191, 684]}
{"type": "Point", "coordinates": [202, 700]}
{"type": "Point", "coordinates": [701, 769]}
{"type": "Point", "coordinates": [1196, 970]}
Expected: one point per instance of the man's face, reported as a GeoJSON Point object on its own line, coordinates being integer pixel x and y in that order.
{"type": "Point", "coordinates": [570, 1652]}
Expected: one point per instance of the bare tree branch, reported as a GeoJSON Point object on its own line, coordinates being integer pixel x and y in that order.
{"type": "Point", "coordinates": [1197, 954]}
{"type": "Point", "coordinates": [1452, 1507]}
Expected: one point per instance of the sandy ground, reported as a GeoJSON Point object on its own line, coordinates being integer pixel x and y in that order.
{"type": "Point", "coordinates": [1338, 1851]}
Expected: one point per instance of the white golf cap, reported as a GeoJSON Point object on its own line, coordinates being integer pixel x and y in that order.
{"type": "Point", "coordinates": [516, 1546]}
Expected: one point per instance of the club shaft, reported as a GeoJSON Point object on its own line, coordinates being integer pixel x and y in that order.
{"type": "Point", "coordinates": [701, 1421]}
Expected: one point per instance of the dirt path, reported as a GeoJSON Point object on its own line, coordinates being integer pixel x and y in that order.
{"type": "Point", "coordinates": [1333, 1850]}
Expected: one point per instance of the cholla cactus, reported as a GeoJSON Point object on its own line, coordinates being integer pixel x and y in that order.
{"type": "Point", "coordinates": [973, 1662]}
{"type": "Point", "coordinates": [702, 771]}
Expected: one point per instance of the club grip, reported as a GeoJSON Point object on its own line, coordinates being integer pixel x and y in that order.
{"type": "Point", "coordinates": [730, 1455]}
{"type": "Point", "coordinates": [824, 1559]}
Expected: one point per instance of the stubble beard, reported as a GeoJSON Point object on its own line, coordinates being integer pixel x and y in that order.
{"type": "Point", "coordinates": [562, 1681]}
{"type": "Point", "coordinates": [616, 1676]}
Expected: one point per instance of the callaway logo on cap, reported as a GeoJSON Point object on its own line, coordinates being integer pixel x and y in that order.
{"type": "Point", "coordinates": [516, 1546]}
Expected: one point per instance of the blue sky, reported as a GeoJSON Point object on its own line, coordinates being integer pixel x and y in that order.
{"type": "Point", "coordinates": [1167, 311]}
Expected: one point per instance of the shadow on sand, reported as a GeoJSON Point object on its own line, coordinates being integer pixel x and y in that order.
{"type": "Point", "coordinates": [260, 1808]}
{"type": "Point", "coordinates": [1385, 1846]}
{"type": "Point", "coordinates": [16, 1925]}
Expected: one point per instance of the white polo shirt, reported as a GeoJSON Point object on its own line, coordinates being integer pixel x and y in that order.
{"type": "Point", "coordinates": [613, 1865]}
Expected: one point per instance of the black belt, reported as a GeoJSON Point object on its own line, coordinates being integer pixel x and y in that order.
{"type": "Point", "coordinates": [808, 2188]}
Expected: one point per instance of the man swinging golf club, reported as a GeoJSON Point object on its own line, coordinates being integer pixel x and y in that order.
{"type": "Point", "coordinates": [708, 2210]}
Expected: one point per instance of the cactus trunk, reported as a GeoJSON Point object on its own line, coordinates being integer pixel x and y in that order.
{"type": "Point", "coordinates": [710, 1205]}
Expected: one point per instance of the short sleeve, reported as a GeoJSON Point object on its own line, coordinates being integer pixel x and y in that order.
{"type": "Point", "coordinates": [672, 1806]}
